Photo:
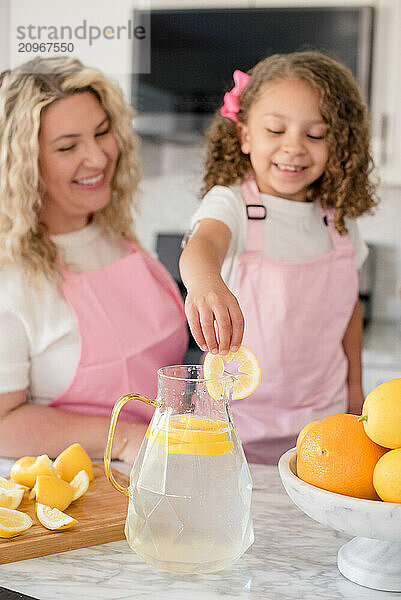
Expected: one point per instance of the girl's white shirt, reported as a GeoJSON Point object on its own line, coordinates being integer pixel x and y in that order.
{"type": "Point", "coordinates": [39, 337]}
{"type": "Point", "coordinates": [293, 231]}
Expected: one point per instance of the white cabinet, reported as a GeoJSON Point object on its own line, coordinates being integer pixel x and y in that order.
{"type": "Point", "coordinates": [381, 354]}
{"type": "Point", "coordinates": [374, 375]}
{"type": "Point", "coordinates": [386, 91]}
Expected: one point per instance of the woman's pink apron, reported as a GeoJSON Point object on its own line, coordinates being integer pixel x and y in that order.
{"type": "Point", "coordinates": [131, 322]}
{"type": "Point", "coordinates": [296, 315]}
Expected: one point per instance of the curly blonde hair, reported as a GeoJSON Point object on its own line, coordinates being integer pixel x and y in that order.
{"type": "Point", "coordinates": [345, 184]}
{"type": "Point", "coordinates": [24, 93]}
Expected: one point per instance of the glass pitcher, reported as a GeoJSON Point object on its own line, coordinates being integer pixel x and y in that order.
{"type": "Point", "coordinates": [190, 486]}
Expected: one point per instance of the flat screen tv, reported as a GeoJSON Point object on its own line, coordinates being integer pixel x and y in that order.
{"type": "Point", "coordinates": [193, 54]}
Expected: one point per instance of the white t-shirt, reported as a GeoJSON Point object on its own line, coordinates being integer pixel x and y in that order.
{"type": "Point", "coordinates": [293, 231]}
{"type": "Point", "coordinates": [39, 337]}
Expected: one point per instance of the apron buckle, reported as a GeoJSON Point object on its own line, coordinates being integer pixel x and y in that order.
{"type": "Point", "coordinates": [256, 217]}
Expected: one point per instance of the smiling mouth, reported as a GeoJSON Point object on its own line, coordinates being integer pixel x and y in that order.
{"type": "Point", "coordinates": [289, 168]}
{"type": "Point", "coordinates": [90, 180]}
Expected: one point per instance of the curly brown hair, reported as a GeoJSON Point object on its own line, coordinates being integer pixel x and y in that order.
{"type": "Point", "coordinates": [346, 183]}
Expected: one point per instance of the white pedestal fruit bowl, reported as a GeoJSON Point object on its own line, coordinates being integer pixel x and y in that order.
{"type": "Point", "coordinates": [373, 558]}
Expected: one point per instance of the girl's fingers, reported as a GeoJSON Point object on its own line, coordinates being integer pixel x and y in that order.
{"type": "Point", "coordinates": [223, 322]}
{"type": "Point", "coordinates": [206, 318]}
{"type": "Point", "coordinates": [196, 330]}
{"type": "Point", "coordinates": [195, 326]}
{"type": "Point", "coordinates": [237, 323]}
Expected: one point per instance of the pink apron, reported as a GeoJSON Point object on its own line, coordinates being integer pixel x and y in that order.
{"type": "Point", "coordinates": [296, 315]}
{"type": "Point", "coordinates": [131, 322]}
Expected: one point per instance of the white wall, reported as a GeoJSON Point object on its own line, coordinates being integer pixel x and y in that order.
{"type": "Point", "coordinates": [112, 51]}
{"type": "Point", "coordinates": [4, 34]}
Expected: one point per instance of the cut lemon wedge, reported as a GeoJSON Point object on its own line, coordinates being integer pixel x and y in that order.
{"type": "Point", "coordinates": [71, 461]}
{"type": "Point", "coordinates": [247, 375]}
{"type": "Point", "coordinates": [52, 491]}
{"type": "Point", "coordinates": [79, 484]}
{"type": "Point", "coordinates": [13, 522]}
{"type": "Point", "coordinates": [9, 484]}
{"type": "Point", "coordinates": [25, 470]}
{"type": "Point", "coordinates": [11, 498]}
{"type": "Point", "coordinates": [54, 519]}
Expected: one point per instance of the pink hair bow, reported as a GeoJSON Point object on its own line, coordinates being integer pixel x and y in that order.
{"type": "Point", "coordinates": [231, 105]}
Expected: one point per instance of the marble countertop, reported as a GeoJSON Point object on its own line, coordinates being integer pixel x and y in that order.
{"type": "Point", "coordinates": [293, 557]}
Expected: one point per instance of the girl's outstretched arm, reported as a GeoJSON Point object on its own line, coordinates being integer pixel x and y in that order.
{"type": "Point", "coordinates": [209, 301]}
{"type": "Point", "coordinates": [352, 344]}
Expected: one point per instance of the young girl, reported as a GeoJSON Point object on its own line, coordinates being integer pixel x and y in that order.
{"type": "Point", "coordinates": [286, 175]}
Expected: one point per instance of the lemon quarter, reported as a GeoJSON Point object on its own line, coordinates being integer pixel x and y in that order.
{"type": "Point", "coordinates": [71, 461]}
{"type": "Point", "coordinates": [52, 518]}
{"type": "Point", "coordinates": [25, 470]}
{"type": "Point", "coordinates": [52, 491]}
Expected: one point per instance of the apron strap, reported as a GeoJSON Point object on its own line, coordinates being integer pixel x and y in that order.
{"type": "Point", "coordinates": [256, 214]}
{"type": "Point", "coordinates": [338, 241]}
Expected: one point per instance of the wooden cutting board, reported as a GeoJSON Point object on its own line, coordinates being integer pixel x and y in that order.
{"type": "Point", "coordinates": [100, 513]}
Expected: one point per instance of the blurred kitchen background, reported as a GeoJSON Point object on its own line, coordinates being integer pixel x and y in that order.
{"type": "Point", "coordinates": [195, 46]}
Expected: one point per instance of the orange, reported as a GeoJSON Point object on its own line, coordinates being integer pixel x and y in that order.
{"type": "Point", "coordinates": [71, 461]}
{"type": "Point", "coordinates": [335, 454]}
{"type": "Point", "coordinates": [25, 470]}
{"type": "Point", "coordinates": [381, 414]}
{"type": "Point", "coordinates": [302, 433]}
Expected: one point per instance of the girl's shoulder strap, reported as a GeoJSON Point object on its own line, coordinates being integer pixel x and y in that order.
{"type": "Point", "coordinates": [256, 215]}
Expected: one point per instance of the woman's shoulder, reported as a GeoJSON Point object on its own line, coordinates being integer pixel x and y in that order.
{"type": "Point", "coordinates": [12, 282]}
{"type": "Point", "coordinates": [17, 293]}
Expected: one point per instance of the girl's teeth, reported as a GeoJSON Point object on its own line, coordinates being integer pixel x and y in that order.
{"type": "Point", "coordinates": [288, 168]}
{"type": "Point", "coordinates": [91, 180]}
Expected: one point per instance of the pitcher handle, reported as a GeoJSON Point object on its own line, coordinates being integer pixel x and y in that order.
{"type": "Point", "coordinates": [109, 445]}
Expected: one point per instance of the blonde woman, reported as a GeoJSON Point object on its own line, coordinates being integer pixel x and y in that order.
{"type": "Point", "coordinates": [85, 313]}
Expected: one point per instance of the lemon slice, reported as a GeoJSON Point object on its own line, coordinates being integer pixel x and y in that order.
{"type": "Point", "coordinates": [52, 518]}
{"type": "Point", "coordinates": [79, 484]}
{"type": "Point", "coordinates": [247, 377]}
{"type": "Point", "coordinates": [11, 498]}
{"type": "Point", "coordinates": [25, 470]}
{"type": "Point", "coordinates": [13, 522]}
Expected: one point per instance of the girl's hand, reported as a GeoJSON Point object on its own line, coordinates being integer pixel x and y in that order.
{"type": "Point", "coordinates": [214, 315]}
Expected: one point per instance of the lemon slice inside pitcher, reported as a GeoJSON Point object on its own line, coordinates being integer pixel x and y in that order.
{"type": "Point", "coordinates": [242, 364]}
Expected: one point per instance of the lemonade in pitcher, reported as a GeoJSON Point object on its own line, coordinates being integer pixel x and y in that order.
{"type": "Point", "coordinates": [190, 486]}
{"type": "Point", "coordinates": [192, 503]}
